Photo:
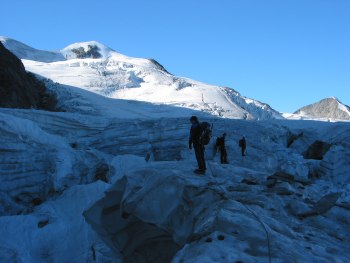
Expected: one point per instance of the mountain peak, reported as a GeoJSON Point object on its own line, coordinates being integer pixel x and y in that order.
{"type": "Point", "coordinates": [328, 108]}
{"type": "Point", "coordinates": [80, 50]}
{"type": "Point", "coordinates": [89, 49]}
{"type": "Point", "coordinates": [333, 98]}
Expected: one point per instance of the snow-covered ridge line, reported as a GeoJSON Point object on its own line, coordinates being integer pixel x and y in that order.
{"type": "Point", "coordinates": [95, 67]}
{"type": "Point", "coordinates": [24, 51]}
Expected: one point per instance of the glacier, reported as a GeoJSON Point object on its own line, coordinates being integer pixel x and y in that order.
{"type": "Point", "coordinates": [76, 187]}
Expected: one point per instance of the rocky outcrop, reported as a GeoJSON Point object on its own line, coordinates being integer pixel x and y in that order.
{"type": "Point", "coordinates": [330, 108]}
{"type": "Point", "coordinates": [91, 52]}
{"type": "Point", "coordinates": [18, 88]}
{"type": "Point", "coordinates": [158, 65]}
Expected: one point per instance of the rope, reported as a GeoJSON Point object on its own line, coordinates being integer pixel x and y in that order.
{"type": "Point", "coordinates": [252, 212]}
{"type": "Point", "coordinates": [263, 225]}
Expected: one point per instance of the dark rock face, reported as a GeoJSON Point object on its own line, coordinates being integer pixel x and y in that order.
{"type": "Point", "coordinates": [20, 89]}
{"type": "Point", "coordinates": [158, 65]}
{"type": "Point", "coordinates": [91, 52]}
{"type": "Point", "coordinates": [317, 150]}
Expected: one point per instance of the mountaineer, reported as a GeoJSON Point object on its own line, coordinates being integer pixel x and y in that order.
{"type": "Point", "coordinates": [200, 135]}
{"type": "Point", "coordinates": [220, 145]}
{"type": "Point", "coordinates": [243, 145]}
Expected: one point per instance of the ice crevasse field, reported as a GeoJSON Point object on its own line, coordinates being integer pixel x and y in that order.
{"type": "Point", "coordinates": [110, 178]}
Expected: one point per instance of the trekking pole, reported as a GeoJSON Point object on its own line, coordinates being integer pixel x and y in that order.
{"type": "Point", "coordinates": [211, 170]}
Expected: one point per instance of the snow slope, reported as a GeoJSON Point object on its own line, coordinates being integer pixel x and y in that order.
{"type": "Point", "coordinates": [114, 75]}
{"type": "Point", "coordinates": [23, 51]}
{"type": "Point", "coordinates": [73, 99]}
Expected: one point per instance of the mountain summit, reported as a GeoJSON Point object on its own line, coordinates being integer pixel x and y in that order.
{"type": "Point", "coordinates": [330, 108]}
{"type": "Point", "coordinates": [97, 68]}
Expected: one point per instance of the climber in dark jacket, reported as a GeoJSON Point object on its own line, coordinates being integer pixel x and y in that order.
{"type": "Point", "coordinates": [220, 145]}
{"type": "Point", "coordinates": [243, 145]}
{"type": "Point", "coordinates": [199, 148]}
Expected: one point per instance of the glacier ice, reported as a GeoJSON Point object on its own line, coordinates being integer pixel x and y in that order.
{"type": "Point", "coordinates": [146, 207]}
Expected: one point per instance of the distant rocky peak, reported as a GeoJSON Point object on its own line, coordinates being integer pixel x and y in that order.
{"type": "Point", "coordinates": [329, 108]}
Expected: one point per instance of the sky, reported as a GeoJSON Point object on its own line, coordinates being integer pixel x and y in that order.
{"type": "Point", "coordinates": [287, 53]}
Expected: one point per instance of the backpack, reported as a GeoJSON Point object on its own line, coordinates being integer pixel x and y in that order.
{"type": "Point", "coordinates": [242, 143]}
{"type": "Point", "coordinates": [206, 133]}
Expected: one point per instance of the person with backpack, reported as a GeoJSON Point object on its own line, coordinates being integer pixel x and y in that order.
{"type": "Point", "coordinates": [220, 145]}
{"type": "Point", "coordinates": [200, 135]}
{"type": "Point", "coordinates": [243, 145]}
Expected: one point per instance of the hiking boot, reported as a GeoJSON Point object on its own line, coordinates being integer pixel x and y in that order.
{"type": "Point", "coordinates": [199, 171]}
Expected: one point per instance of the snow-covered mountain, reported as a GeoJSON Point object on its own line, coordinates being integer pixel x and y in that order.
{"type": "Point", "coordinates": [97, 68]}
{"type": "Point", "coordinates": [329, 108]}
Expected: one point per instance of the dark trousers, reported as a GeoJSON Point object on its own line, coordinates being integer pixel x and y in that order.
{"type": "Point", "coordinates": [199, 151]}
{"type": "Point", "coordinates": [223, 155]}
{"type": "Point", "coordinates": [243, 151]}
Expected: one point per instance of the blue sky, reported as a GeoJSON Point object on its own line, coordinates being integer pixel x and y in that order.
{"type": "Point", "coordinates": [287, 53]}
